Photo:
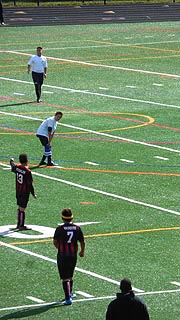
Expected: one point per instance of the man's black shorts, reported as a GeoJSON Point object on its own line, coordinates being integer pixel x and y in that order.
{"type": "Point", "coordinates": [22, 199]}
{"type": "Point", "coordinates": [37, 77]}
{"type": "Point", "coordinates": [66, 267]}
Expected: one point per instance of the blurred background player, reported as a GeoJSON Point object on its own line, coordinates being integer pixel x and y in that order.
{"type": "Point", "coordinates": [39, 65]}
{"type": "Point", "coordinates": [45, 134]}
{"type": "Point", "coordinates": [24, 186]}
{"type": "Point", "coordinates": [1, 14]}
{"type": "Point", "coordinates": [66, 239]}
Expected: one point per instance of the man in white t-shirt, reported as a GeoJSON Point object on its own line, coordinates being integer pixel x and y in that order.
{"type": "Point", "coordinates": [38, 64]}
{"type": "Point", "coordinates": [45, 133]}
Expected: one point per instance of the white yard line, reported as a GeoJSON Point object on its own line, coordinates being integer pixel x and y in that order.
{"type": "Point", "coordinates": [97, 64]}
{"type": "Point", "coordinates": [96, 132]}
{"type": "Point", "coordinates": [96, 94]}
{"type": "Point", "coordinates": [84, 300]}
{"type": "Point", "coordinates": [108, 194]}
{"type": "Point", "coordinates": [93, 274]}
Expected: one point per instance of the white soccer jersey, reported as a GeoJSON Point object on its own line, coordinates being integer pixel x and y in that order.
{"type": "Point", "coordinates": [38, 63]}
{"type": "Point", "coordinates": [43, 128]}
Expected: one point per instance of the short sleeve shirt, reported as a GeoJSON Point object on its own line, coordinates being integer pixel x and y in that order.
{"type": "Point", "coordinates": [48, 123]}
{"type": "Point", "coordinates": [38, 63]}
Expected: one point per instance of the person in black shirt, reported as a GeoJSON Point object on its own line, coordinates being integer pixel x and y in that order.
{"type": "Point", "coordinates": [127, 306]}
{"type": "Point", "coordinates": [66, 238]}
{"type": "Point", "coordinates": [24, 186]}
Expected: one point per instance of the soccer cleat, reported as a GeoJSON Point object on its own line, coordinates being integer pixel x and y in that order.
{"type": "Point", "coordinates": [42, 163]}
{"type": "Point", "coordinates": [52, 164]}
{"type": "Point", "coordinates": [67, 302]}
{"type": "Point", "coordinates": [73, 295]}
{"type": "Point", "coordinates": [23, 228]}
{"type": "Point", "coordinates": [39, 100]}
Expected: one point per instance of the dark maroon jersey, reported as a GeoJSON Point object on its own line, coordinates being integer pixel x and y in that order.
{"type": "Point", "coordinates": [24, 179]}
{"type": "Point", "coordinates": [68, 235]}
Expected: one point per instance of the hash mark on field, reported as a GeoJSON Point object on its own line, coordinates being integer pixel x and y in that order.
{"type": "Point", "coordinates": [84, 294]}
{"type": "Point", "coordinates": [162, 158]}
{"type": "Point", "coordinates": [125, 160]}
{"type": "Point", "coordinates": [18, 94]}
{"type": "Point", "coordinates": [92, 163]}
{"type": "Point", "coordinates": [158, 84]}
{"type": "Point", "coordinates": [132, 87]}
{"type": "Point", "coordinates": [35, 299]}
{"type": "Point", "coordinates": [101, 88]}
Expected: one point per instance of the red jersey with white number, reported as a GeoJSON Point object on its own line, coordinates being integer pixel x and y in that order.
{"type": "Point", "coordinates": [24, 180]}
{"type": "Point", "coordinates": [68, 235]}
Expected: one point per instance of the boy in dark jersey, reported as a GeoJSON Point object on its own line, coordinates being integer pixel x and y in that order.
{"type": "Point", "coordinates": [66, 239]}
{"type": "Point", "coordinates": [24, 186]}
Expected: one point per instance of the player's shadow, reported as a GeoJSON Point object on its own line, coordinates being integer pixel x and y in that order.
{"type": "Point", "coordinates": [16, 104]}
{"type": "Point", "coordinates": [30, 312]}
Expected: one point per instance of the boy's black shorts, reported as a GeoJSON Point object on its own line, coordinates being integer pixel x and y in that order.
{"type": "Point", "coordinates": [66, 267]}
{"type": "Point", "coordinates": [22, 199]}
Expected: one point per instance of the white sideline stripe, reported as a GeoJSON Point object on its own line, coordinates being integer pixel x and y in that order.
{"type": "Point", "coordinates": [96, 132]}
{"type": "Point", "coordinates": [35, 299]}
{"type": "Point", "coordinates": [107, 193]}
{"type": "Point", "coordinates": [96, 94]}
{"type": "Point", "coordinates": [104, 193]}
{"type": "Point", "coordinates": [95, 275]}
{"type": "Point", "coordinates": [84, 300]}
{"type": "Point", "coordinates": [97, 64]}
{"type": "Point", "coordinates": [176, 283]}
{"type": "Point", "coordinates": [85, 294]}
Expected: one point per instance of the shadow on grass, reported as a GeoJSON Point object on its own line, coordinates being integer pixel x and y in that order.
{"type": "Point", "coordinates": [16, 104]}
{"type": "Point", "coordinates": [30, 312]}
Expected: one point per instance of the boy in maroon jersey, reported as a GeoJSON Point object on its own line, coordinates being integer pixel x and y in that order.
{"type": "Point", "coordinates": [66, 239]}
{"type": "Point", "coordinates": [24, 186]}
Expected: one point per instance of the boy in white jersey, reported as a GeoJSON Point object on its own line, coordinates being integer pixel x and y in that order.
{"type": "Point", "coordinates": [45, 134]}
{"type": "Point", "coordinates": [38, 64]}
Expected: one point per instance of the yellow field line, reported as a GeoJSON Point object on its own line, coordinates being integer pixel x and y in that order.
{"type": "Point", "coordinates": [103, 235]}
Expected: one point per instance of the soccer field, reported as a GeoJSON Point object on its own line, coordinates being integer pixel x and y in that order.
{"type": "Point", "coordinates": [118, 153]}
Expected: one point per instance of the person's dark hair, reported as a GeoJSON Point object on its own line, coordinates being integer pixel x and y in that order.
{"type": "Point", "coordinates": [23, 158]}
{"type": "Point", "coordinates": [39, 48]}
{"type": "Point", "coordinates": [125, 285]}
{"type": "Point", "coordinates": [67, 214]}
{"type": "Point", "coordinates": [59, 113]}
